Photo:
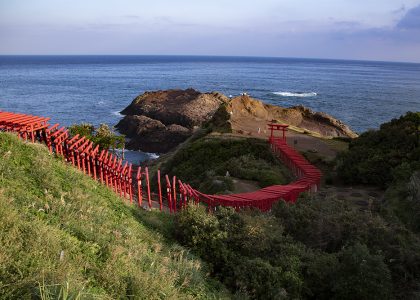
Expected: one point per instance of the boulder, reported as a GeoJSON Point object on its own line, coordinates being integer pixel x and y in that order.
{"type": "Point", "coordinates": [159, 121]}
{"type": "Point", "coordinates": [187, 108]}
{"type": "Point", "coordinates": [151, 135]}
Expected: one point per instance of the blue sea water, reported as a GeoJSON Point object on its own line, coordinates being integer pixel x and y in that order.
{"type": "Point", "coordinates": [74, 89]}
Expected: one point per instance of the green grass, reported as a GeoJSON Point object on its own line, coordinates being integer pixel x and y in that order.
{"type": "Point", "coordinates": [64, 236]}
{"type": "Point", "coordinates": [207, 158]}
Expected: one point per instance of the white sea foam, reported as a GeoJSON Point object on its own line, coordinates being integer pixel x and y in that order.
{"type": "Point", "coordinates": [295, 94]}
{"type": "Point", "coordinates": [117, 113]}
{"type": "Point", "coordinates": [152, 155]}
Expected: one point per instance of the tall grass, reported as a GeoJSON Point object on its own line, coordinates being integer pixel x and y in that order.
{"type": "Point", "coordinates": [64, 236]}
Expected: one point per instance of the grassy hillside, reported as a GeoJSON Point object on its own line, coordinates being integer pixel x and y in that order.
{"type": "Point", "coordinates": [203, 163]}
{"type": "Point", "coordinates": [63, 235]}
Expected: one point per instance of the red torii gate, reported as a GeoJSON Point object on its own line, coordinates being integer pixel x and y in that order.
{"type": "Point", "coordinates": [277, 127]}
{"type": "Point", "coordinates": [112, 172]}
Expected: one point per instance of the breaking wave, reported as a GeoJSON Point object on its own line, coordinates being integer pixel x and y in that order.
{"type": "Point", "coordinates": [295, 94]}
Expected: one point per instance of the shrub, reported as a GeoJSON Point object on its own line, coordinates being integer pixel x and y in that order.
{"type": "Point", "coordinates": [375, 155]}
{"type": "Point", "coordinates": [103, 136]}
{"type": "Point", "coordinates": [361, 275]}
{"type": "Point", "coordinates": [203, 159]}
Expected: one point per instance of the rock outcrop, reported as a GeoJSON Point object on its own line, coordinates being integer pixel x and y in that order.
{"type": "Point", "coordinates": [159, 121]}
{"type": "Point", "coordinates": [244, 111]}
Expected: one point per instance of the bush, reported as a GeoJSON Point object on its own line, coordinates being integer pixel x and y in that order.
{"type": "Point", "coordinates": [317, 249]}
{"type": "Point", "coordinates": [216, 185]}
{"type": "Point", "coordinates": [361, 275]}
{"type": "Point", "coordinates": [202, 160]}
{"type": "Point", "coordinates": [199, 230]}
{"type": "Point", "coordinates": [103, 136]}
{"type": "Point", "coordinates": [246, 251]}
{"type": "Point", "coordinates": [374, 156]}
{"type": "Point", "coordinates": [330, 225]}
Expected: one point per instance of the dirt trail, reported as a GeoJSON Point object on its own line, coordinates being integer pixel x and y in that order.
{"type": "Point", "coordinates": [249, 127]}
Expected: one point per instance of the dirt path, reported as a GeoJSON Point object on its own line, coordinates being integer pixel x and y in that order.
{"type": "Point", "coordinates": [255, 128]}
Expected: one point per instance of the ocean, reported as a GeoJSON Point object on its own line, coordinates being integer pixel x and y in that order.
{"type": "Point", "coordinates": [94, 89]}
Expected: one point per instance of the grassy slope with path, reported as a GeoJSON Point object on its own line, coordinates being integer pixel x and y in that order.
{"type": "Point", "coordinates": [62, 232]}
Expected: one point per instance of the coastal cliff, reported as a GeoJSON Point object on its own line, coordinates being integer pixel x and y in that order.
{"type": "Point", "coordinates": [158, 121]}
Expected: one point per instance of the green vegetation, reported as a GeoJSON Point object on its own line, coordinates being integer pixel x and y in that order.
{"type": "Point", "coordinates": [103, 136]}
{"type": "Point", "coordinates": [206, 159]}
{"type": "Point", "coordinates": [220, 122]}
{"type": "Point", "coordinates": [381, 156]}
{"type": "Point", "coordinates": [321, 247]}
{"type": "Point", "coordinates": [389, 158]}
{"type": "Point", "coordinates": [315, 249]}
{"type": "Point", "coordinates": [403, 202]}
{"type": "Point", "coordinates": [64, 236]}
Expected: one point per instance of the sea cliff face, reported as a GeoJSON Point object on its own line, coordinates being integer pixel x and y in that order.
{"type": "Point", "coordinates": [158, 121]}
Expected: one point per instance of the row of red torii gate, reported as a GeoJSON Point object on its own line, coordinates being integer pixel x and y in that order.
{"type": "Point", "coordinates": [133, 182]}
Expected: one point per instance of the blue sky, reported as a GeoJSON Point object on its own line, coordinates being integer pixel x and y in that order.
{"type": "Point", "coordinates": [348, 29]}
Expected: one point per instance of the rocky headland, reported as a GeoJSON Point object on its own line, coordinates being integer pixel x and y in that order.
{"type": "Point", "coordinates": [159, 121]}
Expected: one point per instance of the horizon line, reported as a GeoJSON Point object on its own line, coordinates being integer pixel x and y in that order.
{"type": "Point", "coordinates": [224, 56]}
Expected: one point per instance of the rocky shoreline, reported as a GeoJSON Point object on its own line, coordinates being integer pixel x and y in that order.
{"type": "Point", "coordinates": [159, 121]}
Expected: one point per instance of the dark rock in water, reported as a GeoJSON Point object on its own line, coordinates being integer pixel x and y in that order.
{"type": "Point", "coordinates": [137, 125]}
{"type": "Point", "coordinates": [159, 121]}
{"type": "Point", "coordinates": [151, 135]}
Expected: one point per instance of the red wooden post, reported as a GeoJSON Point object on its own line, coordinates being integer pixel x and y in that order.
{"type": "Point", "coordinates": [100, 160]}
{"type": "Point", "coordinates": [87, 157]}
{"type": "Point", "coordinates": [125, 180]}
{"type": "Point", "coordinates": [149, 198]}
{"type": "Point", "coordinates": [114, 178]}
{"type": "Point", "coordinates": [174, 191]}
{"type": "Point", "coordinates": [130, 182]}
{"type": "Point", "coordinates": [169, 193]}
{"type": "Point", "coordinates": [111, 170]}
{"type": "Point", "coordinates": [108, 170]}
{"type": "Point", "coordinates": [120, 178]}
{"type": "Point", "coordinates": [94, 161]}
{"type": "Point", "coordinates": [159, 190]}
{"type": "Point", "coordinates": [32, 133]}
{"type": "Point", "coordinates": [139, 194]}
{"type": "Point", "coordinates": [105, 168]}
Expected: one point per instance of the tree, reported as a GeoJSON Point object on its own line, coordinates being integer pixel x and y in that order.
{"type": "Point", "coordinates": [103, 136]}
{"type": "Point", "coordinates": [362, 275]}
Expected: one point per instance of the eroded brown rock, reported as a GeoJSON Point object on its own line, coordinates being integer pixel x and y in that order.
{"type": "Point", "coordinates": [159, 121]}
{"type": "Point", "coordinates": [244, 109]}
